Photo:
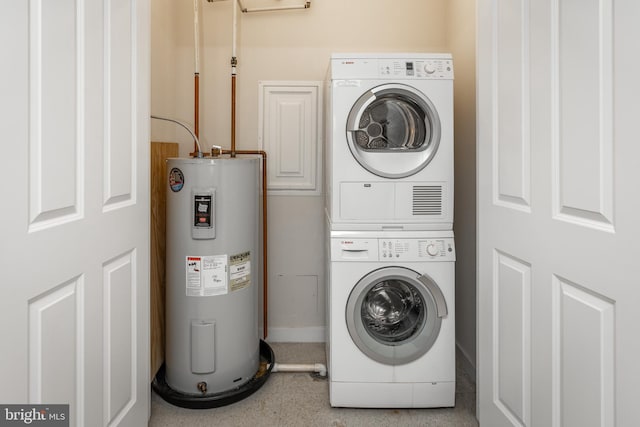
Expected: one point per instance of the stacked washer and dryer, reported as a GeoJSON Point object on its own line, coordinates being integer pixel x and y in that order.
{"type": "Point", "coordinates": [390, 247]}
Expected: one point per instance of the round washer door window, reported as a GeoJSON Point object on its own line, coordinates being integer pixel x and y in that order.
{"type": "Point", "coordinates": [394, 314]}
{"type": "Point", "coordinates": [393, 131]}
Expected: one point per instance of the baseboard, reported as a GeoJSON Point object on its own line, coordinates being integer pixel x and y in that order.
{"type": "Point", "coordinates": [467, 364]}
{"type": "Point", "coordinates": [308, 334]}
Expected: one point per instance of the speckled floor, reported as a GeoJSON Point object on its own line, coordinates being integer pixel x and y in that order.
{"type": "Point", "coordinates": [298, 399]}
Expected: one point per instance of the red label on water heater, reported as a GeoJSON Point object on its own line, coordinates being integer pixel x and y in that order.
{"type": "Point", "coordinates": [176, 180]}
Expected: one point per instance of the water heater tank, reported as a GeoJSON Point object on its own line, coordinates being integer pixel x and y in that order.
{"type": "Point", "coordinates": [213, 274]}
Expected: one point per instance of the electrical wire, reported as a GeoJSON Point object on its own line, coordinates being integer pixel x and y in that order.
{"type": "Point", "coordinates": [193, 135]}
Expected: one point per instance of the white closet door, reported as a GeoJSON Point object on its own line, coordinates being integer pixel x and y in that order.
{"type": "Point", "coordinates": [75, 213]}
{"type": "Point", "coordinates": [559, 276]}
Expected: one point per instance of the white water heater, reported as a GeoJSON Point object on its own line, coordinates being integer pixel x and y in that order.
{"type": "Point", "coordinates": [213, 274]}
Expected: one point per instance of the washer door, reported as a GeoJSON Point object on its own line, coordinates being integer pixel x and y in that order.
{"type": "Point", "coordinates": [394, 314]}
{"type": "Point", "coordinates": [393, 131]}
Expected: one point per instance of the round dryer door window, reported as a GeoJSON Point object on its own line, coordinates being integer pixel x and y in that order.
{"type": "Point", "coordinates": [394, 314]}
{"type": "Point", "coordinates": [393, 131]}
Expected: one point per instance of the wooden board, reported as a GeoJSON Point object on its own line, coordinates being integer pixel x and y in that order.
{"type": "Point", "coordinates": [160, 151]}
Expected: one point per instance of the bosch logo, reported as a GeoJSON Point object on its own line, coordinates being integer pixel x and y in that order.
{"type": "Point", "coordinates": [347, 242]}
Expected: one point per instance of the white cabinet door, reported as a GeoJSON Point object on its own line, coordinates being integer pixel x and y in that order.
{"type": "Point", "coordinates": [558, 203]}
{"type": "Point", "coordinates": [75, 211]}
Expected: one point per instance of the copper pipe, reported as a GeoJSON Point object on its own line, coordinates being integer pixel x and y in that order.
{"type": "Point", "coordinates": [233, 151]}
{"type": "Point", "coordinates": [196, 111]}
{"type": "Point", "coordinates": [265, 269]}
{"type": "Point", "coordinates": [196, 101]}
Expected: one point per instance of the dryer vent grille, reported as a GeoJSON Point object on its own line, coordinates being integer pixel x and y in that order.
{"type": "Point", "coordinates": [427, 200]}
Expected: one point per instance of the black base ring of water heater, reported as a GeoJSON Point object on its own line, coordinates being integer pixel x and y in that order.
{"type": "Point", "coordinates": [224, 398]}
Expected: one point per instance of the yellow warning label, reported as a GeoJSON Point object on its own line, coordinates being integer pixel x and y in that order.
{"type": "Point", "coordinates": [239, 271]}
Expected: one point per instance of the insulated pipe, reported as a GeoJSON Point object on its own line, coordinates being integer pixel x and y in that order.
{"type": "Point", "coordinates": [196, 34]}
{"type": "Point", "coordinates": [234, 35]}
{"type": "Point", "coordinates": [196, 76]}
{"type": "Point", "coordinates": [265, 269]}
{"type": "Point", "coordinates": [319, 368]}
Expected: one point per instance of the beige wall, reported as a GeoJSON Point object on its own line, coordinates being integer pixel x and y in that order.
{"type": "Point", "coordinates": [287, 45]}
{"type": "Point", "coordinates": [461, 41]}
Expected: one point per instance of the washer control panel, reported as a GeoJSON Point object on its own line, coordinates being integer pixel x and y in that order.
{"type": "Point", "coordinates": [392, 67]}
{"type": "Point", "coordinates": [416, 249]}
{"type": "Point", "coordinates": [418, 68]}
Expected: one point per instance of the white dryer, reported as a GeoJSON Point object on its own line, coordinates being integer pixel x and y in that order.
{"type": "Point", "coordinates": [390, 320]}
{"type": "Point", "coordinates": [389, 151]}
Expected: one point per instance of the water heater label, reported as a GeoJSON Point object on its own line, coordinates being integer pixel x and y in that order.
{"type": "Point", "coordinates": [239, 271]}
{"type": "Point", "coordinates": [203, 220]}
{"type": "Point", "coordinates": [206, 275]}
{"type": "Point", "coordinates": [202, 211]}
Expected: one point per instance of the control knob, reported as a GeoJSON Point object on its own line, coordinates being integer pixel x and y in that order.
{"type": "Point", "coordinates": [432, 249]}
{"type": "Point", "coordinates": [429, 68]}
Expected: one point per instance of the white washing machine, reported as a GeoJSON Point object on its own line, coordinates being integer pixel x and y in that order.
{"type": "Point", "coordinates": [391, 320]}
{"type": "Point", "coordinates": [389, 151]}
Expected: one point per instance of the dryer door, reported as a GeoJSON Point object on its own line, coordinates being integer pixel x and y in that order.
{"type": "Point", "coordinates": [393, 130]}
{"type": "Point", "coordinates": [394, 314]}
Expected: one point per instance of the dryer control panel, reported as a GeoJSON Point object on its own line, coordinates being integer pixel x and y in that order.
{"type": "Point", "coordinates": [416, 249]}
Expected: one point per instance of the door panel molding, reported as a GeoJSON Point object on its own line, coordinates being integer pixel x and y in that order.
{"type": "Point", "coordinates": [56, 113]}
{"type": "Point", "coordinates": [512, 337]}
{"type": "Point", "coordinates": [120, 95]}
{"type": "Point", "coordinates": [511, 144]}
{"type": "Point", "coordinates": [583, 356]}
{"type": "Point", "coordinates": [120, 350]}
{"type": "Point", "coordinates": [57, 346]}
{"type": "Point", "coordinates": [582, 111]}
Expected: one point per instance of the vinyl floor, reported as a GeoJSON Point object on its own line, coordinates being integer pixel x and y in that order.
{"type": "Point", "coordinates": [299, 399]}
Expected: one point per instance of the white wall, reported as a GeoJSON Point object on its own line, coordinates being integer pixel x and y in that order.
{"type": "Point", "coordinates": [288, 45]}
